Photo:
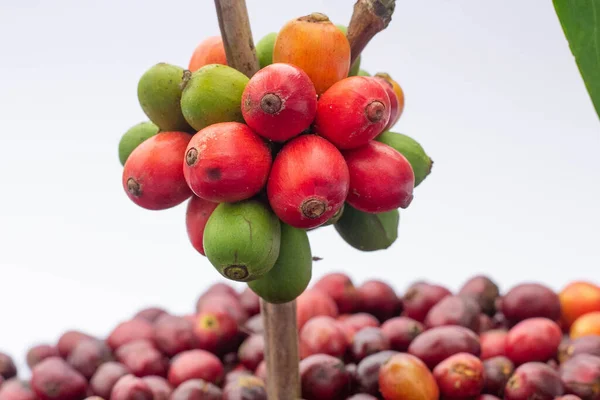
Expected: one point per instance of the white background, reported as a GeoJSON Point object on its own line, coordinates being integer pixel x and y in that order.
{"type": "Point", "coordinates": [492, 93]}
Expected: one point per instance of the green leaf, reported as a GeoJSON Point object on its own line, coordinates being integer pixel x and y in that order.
{"type": "Point", "coordinates": [580, 20]}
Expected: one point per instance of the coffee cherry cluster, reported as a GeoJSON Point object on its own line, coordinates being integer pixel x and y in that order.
{"type": "Point", "coordinates": [302, 144]}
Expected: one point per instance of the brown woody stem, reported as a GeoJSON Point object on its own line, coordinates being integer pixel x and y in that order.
{"type": "Point", "coordinates": [369, 18]}
{"type": "Point", "coordinates": [237, 36]}
{"type": "Point", "coordinates": [281, 350]}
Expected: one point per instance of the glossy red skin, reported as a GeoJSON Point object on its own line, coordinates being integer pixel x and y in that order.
{"type": "Point", "coordinates": [16, 389]}
{"type": "Point", "coordinates": [68, 340]}
{"type": "Point", "coordinates": [142, 359]}
{"type": "Point", "coordinates": [583, 345]}
{"type": "Point", "coordinates": [307, 167]}
{"type": "Point", "coordinates": [486, 323]}
{"type": "Point", "coordinates": [87, 356]}
{"type": "Point", "coordinates": [381, 179]}
{"type": "Point", "coordinates": [40, 352]}
{"type": "Point", "coordinates": [215, 332]}
{"type": "Point", "coordinates": [197, 389]}
{"type": "Point", "coordinates": [534, 380]}
{"type": "Point", "coordinates": [298, 102]}
{"type": "Point", "coordinates": [493, 343]}
{"type": "Point", "coordinates": [322, 335]}
{"type": "Point", "coordinates": [484, 291]}
{"type": "Point", "coordinates": [254, 324]}
{"type": "Point", "coordinates": [420, 298]}
{"type": "Point", "coordinates": [130, 387]}
{"type": "Point", "coordinates": [324, 377]}
{"type": "Point", "coordinates": [435, 345]}
{"type": "Point", "coordinates": [367, 341]}
{"type": "Point", "coordinates": [530, 300]}
{"type": "Point", "coordinates": [367, 371]}
{"type": "Point", "coordinates": [379, 299]}
{"type": "Point", "coordinates": [135, 346]}
{"type": "Point", "coordinates": [395, 110]}
{"type": "Point", "coordinates": [353, 323]}
{"type": "Point", "coordinates": [261, 370]}
{"type": "Point", "coordinates": [195, 364]}
{"type": "Point", "coordinates": [54, 378]}
{"type": "Point", "coordinates": [454, 310]}
{"type": "Point", "coordinates": [129, 331]}
{"type": "Point", "coordinates": [460, 376]}
{"type": "Point", "coordinates": [222, 303]}
{"type": "Point", "coordinates": [341, 289]}
{"type": "Point", "coordinates": [341, 117]}
{"type": "Point", "coordinates": [174, 335]}
{"type": "Point", "coordinates": [196, 216]}
{"type": "Point", "coordinates": [535, 339]}
{"type": "Point", "coordinates": [313, 302]}
{"type": "Point", "coordinates": [250, 302]}
{"type": "Point", "coordinates": [161, 389]}
{"type": "Point", "coordinates": [233, 163]}
{"type": "Point", "coordinates": [581, 376]}
{"type": "Point", "coordinates": [245, 388]}
{"type": "Point", "coordinates": [150, 314]}
{"type": "Point", "coordinates": [156, 166]}
{"type": "Point", "coordinates": [105, 378]}
{"type": "Point", "coordinates": [401, 331]}
{"type": "Point", "coordinates": [252, 351]}
{"type": "Point", "coordinates": [497, 371]}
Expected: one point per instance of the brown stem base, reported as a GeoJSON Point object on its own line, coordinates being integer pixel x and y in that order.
{"type": "Point", "coordinates": [281, 350]}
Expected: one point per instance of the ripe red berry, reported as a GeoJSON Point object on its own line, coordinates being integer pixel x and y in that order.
{"type": "Point", "coordinates": [312, 303]}
{"type": "Point", "coordinates": [197, 214]}
{"type": "Point", "coordinates": [341, 289]}
{"type": "Point", "coordinates": [534, 380]}
{"type": "Point", "coordinates": [215, 332]}
{"type": "Point", "coordinates": [493, 343]}
{"type": "Point", "coordinates": [530, 300]}
{"type": "Point", "coordinates": [534, 339]}
{"type": "Point", "coordinates": [40, 352]}
{"type": "Point", "coordinates": [322, 335]}
{"type": "Point", "coordinates": [53, 378]}
{"type": "Point", "coordinates": [308, 182]}
{"type": "Point", "coordinates": [226, 162]}
{"type": "Point", "coordinates": [381, 179]}
{"type": "Point", "coordinates": [152, 176]}
{"type": "Point", "coordinates": [420, 298]}
{"type": "Point", "coordinates": [352, 112]}
{"type": "Point", "coordinates": [195, 364]}
{"type": "Point", "coordinates": [460, 376]}
{"type": "Point", "coordinates": [129, 331]}
{"type": "Point", "coordinates": [394, 103]}
{"type": "Point", "coordinates": [279, 102]}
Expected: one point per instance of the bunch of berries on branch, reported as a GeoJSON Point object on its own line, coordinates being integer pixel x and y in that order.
{"type": "Point", "coordinates": [306, 142]}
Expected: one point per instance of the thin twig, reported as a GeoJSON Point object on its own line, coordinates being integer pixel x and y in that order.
{"type": "Point", "coordinates": [369, 18]}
